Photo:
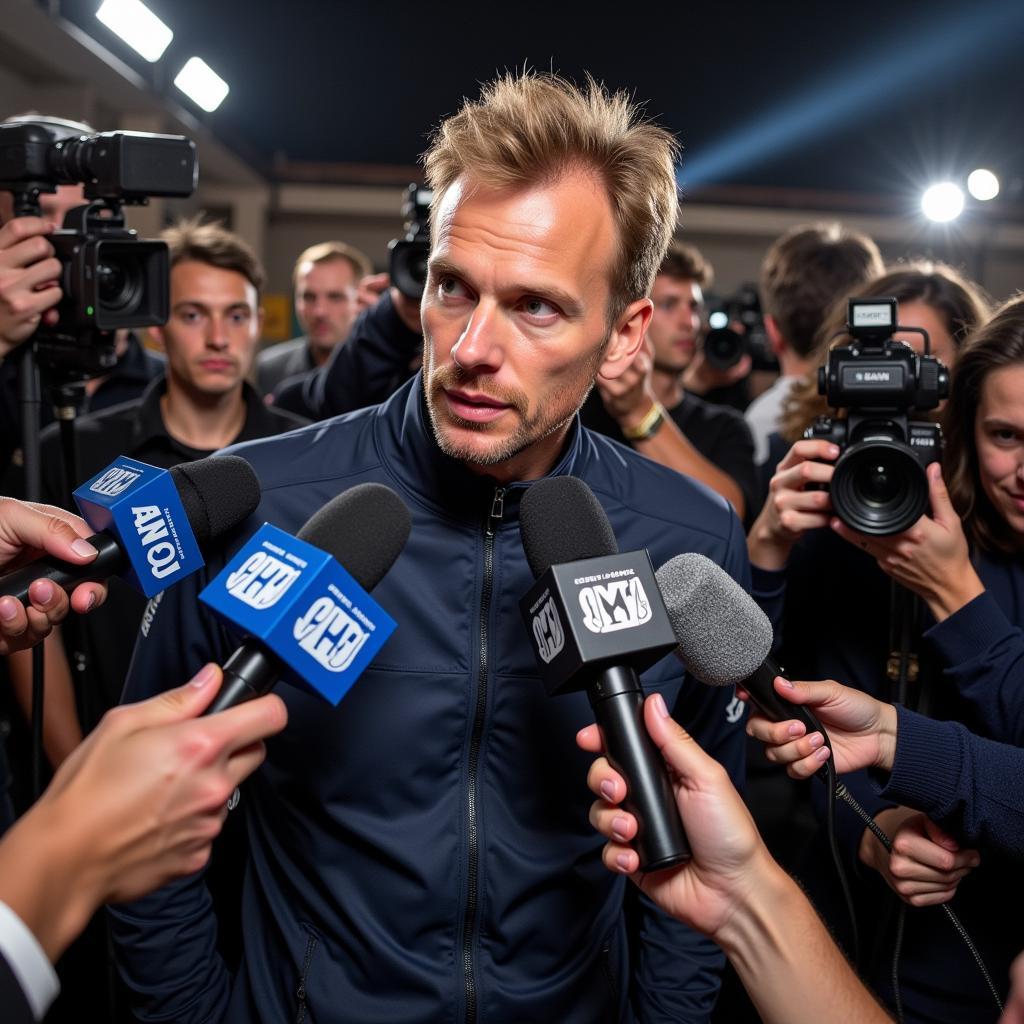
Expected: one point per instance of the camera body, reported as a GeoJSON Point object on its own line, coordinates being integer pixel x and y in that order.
{"type": "Point", "coordinates": [725, 345]}
{"type": "Point", "coordinates": [110, 279]}
{"type": "Point", "coordinates": [879, 486]}
{"type": "Point", "coordinates": [409, 255]}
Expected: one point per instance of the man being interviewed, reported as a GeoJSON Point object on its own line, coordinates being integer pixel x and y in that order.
{"type": "Point", "coordinates": [422, 852]}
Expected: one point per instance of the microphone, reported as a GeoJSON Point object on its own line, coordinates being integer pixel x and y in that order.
{"type": "Point", "coordinates": [151, 523]}
{"type": "Point", "coordinates": [724, 637]}
{"type": "Point", "coordinates": [308, 618]}
{"type": "Point", "coordinates": [597, 620]}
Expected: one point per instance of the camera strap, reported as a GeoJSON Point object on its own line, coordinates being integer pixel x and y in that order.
{"type": "Point", "coordinates": [903, 667]}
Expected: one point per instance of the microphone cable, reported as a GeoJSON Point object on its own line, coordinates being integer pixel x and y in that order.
{"type": "Point", "coordinates": [847, 797]}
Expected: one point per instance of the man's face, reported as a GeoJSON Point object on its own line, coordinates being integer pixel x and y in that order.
{"type": "Point", "coordinates": [675, 323]}
{"type": "Point", "coordinates": [211, 336]}
{"type": "Point", "coordinates": [326, 302]}
{"type": "Point", "coordinates": [515, 319]}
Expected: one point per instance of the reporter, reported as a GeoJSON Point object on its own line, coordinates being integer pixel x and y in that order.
{"type": "Point", "coordinates": [732, 890]}
{"type": "Point", "coordinates": [138, 803]}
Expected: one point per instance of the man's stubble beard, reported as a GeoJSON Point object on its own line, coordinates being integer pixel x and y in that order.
{"type": "Point", "coordinates": [529, 431]}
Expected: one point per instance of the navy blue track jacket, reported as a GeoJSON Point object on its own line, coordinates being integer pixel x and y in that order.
{"type": "Point", "coordinates": [422, 853]}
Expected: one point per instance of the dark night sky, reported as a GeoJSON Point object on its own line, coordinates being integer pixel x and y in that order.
{"type": "Point", "coordinates": [866, 97]}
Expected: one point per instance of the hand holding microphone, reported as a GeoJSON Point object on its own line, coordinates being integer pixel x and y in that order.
{"type": "Point", "coordinates": [27, 531]}
{"type": "Point", "coordinates": [141, 537]}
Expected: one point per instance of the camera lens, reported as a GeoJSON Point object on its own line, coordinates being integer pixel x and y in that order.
{"type": "Point", "coordinates": [119, 285]}
{"type": "Point", "coordinates": [724, 347]}
{"type": "Point", "coordinates": [879, 487]}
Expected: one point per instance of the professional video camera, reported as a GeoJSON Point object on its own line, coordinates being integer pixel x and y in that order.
{"type": "Point", "coordinates": [879, 486]}
{"type": "Point", "coordinates": [110, 279]}
{"type": "Point", "coordinates": [409, 255]}
{"type": "Point", "coordinates": [737, 328]}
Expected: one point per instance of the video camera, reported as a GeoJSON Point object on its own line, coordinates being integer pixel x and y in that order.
{"type": "Point", "coordinates": [879, 486]}
{"type": "Point", "coordinates": [110, 279]}
{"type": "Point", "coordinates": [409, 255]}
{"type": "Point", "coordinates": [725, 345]}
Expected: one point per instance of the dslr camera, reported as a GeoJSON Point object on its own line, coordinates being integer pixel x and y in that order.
{"type": "Point", "coordinates": [110, 279]}
{"type": "Point", "coordinates": [725, 345]}
{"type": "Point", "coordinates": [879, 486]}
{"type": "Point", "coordinates": [409, 255]}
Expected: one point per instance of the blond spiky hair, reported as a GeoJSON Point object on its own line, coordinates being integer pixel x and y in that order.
{"type": "Point", "coordinates": [529, 129]}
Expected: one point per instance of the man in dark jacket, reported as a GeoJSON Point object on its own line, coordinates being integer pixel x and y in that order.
{"type": "Point", "coordinates": [422, 852]}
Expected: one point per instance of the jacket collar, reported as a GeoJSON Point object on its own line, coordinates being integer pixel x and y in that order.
{"type": "Point", "coordinates": [406, 442]}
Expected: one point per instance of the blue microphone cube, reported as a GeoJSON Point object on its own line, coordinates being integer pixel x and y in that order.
{"type": "Point", "coordinates": [140, 505]}
{"type": "Point", "coordinates": [298, 602]}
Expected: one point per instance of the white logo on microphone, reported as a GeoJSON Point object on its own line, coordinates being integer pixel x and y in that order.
{"type": "Point", "coordinates": [330, 635]}
{"type": "Point", "coordinates": [621, 604]}
{"type": "Point", "coordinates": [547, 631]}
{"type": "Point", "coordinates": [115, 481]}
{"type": "Point", "coordinates": [262, 580]}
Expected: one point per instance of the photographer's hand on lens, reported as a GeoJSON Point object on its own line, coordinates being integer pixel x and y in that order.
{"type": "Point", "coordinates": [29, 272]}
{"type": "Point", "coordinates": [26, 532]}
{"type": "Point", "coordinates": [862, 730]}
{"type": "Point", "coordinates": [925, 865]}
{"type": "Point", "coordinates": [700, 376]}
{"type": "Point", "coordinates": [791, 509]}
{"type": "Point", "coordinates": [728, 854]}
{"type": "Point", "coordinates": [931, 558]}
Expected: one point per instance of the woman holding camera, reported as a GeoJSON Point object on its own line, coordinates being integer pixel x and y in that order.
{"type": "Point", "coordinates": [845, 619]}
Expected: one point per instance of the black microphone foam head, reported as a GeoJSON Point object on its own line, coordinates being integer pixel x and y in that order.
{"type": "Point", "coordinates": [723, 635]}
{"type": "Point", "coordinates": [218, 493]}
{"type": "Point", "coordinates": [561, 520]}
{"type": "Point", "coordinates": [363, 528]}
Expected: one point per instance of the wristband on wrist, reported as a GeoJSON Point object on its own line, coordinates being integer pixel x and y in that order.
{"type": "Point", "coordinates": [648, 426]}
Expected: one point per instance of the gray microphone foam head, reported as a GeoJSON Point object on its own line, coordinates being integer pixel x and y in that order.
{"type": "Point", "coordinates": [723, 635]}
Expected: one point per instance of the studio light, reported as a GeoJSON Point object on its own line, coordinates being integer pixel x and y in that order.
{"type": "Point", "coordinates": [201, 84]}
{"type": "Point", "coordinates": [983, 184]}
{"type": "Point", "coordinates": [138, 26]}
{"type": "Point", "coordinates": [943, 202]}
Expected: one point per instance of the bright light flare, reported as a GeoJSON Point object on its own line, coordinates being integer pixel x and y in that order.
{"type": "Point", "coordinates": [983, 184]}
{"type": "Point", "coordinates": [943, 202]}
{"type": "Point", "coordinates": [201, 84]}
{"type": "Point", "coordinates": [138, 26]}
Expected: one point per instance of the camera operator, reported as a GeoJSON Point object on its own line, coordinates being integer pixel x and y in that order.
{"type": "Point", "coordinates": [649, 407]}
{"type": "Point", "coordinates": [137, 804]}
{"type": "Point", "coordinates": [203, 404]}
{"type": "Point", "coordinates": [871, 632]}
{"type": "Point", "coordinates": [326, 278]}
{"type": "Point", "coordinates": [29, 293]}
{"type": "Point", "coordinates": [803, 273]}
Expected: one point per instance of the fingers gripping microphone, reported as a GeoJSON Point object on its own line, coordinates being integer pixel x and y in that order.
{"type": "Point", "coordinates": [152, 523]}
{"type": "Point", "coordinates": [597, 620]}
{"type": "Point", "coordinates": [724, 637]}
{"type": "Point", "coordinates": [310, 619]}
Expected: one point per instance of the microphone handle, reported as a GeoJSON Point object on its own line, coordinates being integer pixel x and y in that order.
{"type": "Point", "coordinates": [249, 673]}
{"type": "Point", "coordinates": [110, 561]}
{"type": "Point", "coordinates": [778, 709]}
{"type": "Point", "coordinates": [618, 704]}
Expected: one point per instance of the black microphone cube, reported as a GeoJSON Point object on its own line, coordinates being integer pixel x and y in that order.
{"type": "Point", "coordinates": [587, 615]}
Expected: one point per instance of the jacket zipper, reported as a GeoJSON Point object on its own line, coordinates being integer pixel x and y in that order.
{"type": "Point", "coordinates": [311, 942]}
{"type": "Point", "coordinates": [491, 524]}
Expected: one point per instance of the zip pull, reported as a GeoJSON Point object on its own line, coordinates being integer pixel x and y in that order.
{"type": "Point", "coordinates": [497, 511]}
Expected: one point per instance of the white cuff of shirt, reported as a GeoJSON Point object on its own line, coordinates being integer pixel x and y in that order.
{"type": "Point", "coordinates": [28, 962]}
